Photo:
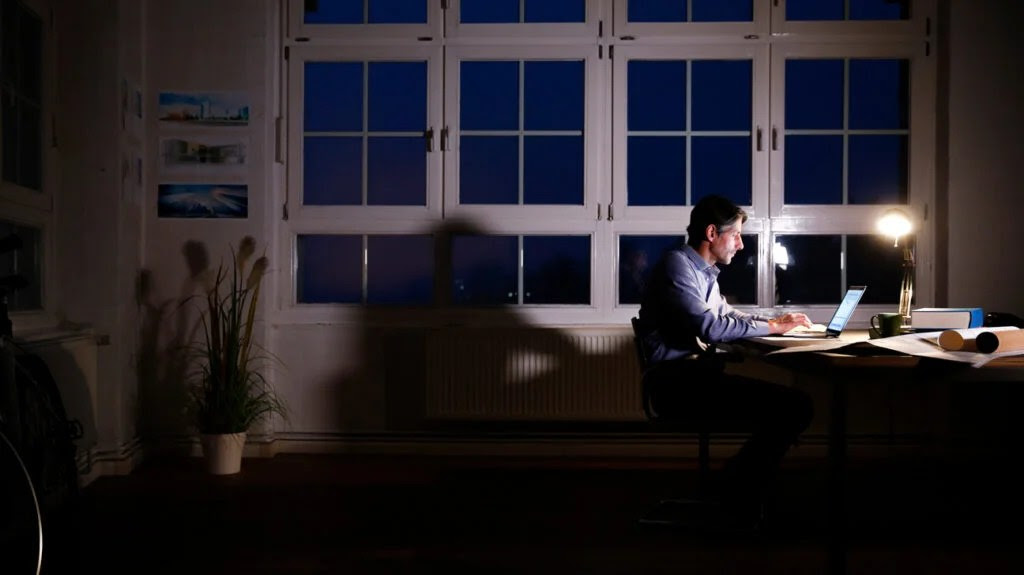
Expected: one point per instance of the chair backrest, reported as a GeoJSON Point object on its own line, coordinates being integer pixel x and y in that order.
{"type": "Point", "coordinates": [644, 363]}
{"type": "Point", "coordinates": [638, 344]}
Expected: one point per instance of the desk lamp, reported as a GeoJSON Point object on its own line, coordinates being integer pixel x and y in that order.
{"type": "Point", "coordinates": [895, 224]}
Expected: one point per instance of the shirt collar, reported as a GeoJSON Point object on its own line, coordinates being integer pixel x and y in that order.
{"type": "Point", "coordinates": [699, 262]}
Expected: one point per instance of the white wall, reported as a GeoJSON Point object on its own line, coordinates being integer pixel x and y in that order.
{"type": "Point", "coordinates": [986, 155]}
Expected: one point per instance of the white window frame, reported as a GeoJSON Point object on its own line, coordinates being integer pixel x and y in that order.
{"type": "Point", "coordinates": [361, 33]}
{"type": "Point", "coordinates": [604, 42]}
{"type": "Point", "coordinates": [860, 219]}
{"type": "Point", "coordinates": [569, 32]}
{"type": "Point", "coordinates": [593, 107]}
{"type": "Point", "coordinates": [363, 213]}
{"type": "Point", "coordinates": [690, 31]}
{"type": "Point", "coordinates": [26, 207]}
{"type": "Point", "coordinates": [758, 54]}
{"type": "Point", "coordinates": [918, 25]}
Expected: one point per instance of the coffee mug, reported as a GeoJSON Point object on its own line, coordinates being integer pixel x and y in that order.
{"type": "Point", "coordinates": [887, 324]}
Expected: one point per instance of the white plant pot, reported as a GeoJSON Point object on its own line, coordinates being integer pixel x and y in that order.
{"type": "Point", "coordinates": [223, 452]}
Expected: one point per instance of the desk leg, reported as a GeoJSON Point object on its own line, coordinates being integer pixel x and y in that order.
{"type": "Point", "coordinates": [836, 489]}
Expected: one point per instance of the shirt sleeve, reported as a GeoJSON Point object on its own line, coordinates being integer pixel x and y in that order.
{"type": "Point", "coordinates": [713, 324]}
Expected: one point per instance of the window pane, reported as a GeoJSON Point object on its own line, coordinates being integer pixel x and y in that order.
{"type": "Point", "coordinates": [722, 165]}
{"type": "Point", "coordinates": [637, 256]}
{"type": "Point", "coordinates": [330, 269]}
{"type": "Point", "coordinates": [656, 11]}
{"type": "Point", "coordinates": [873, 261]}
{"type": "Point", "coordinates": [723, 10]}
{"type": "Point", "coordinates": [334, 12]}
{"type": "Point", "coordinates": [738, 280]}
{"type": "Point", "coordinates": [722, 95]}
{"type": "Point", "coordinates": [31, 147]}
{"type": "Point", "coordinates": [814, 9]}
{"type": "Point", "coordinates": [11, 142]}
{"type": "Point", "coordinates": [554, 95]}
{"type": "Point", "coordinates": [9, 66]}
{"type": "Point", "coordinates": [332, 170]}
{"type": "Point", "coordinates": [488, 170]}
{"type": "Point", "coordinates": [878, 170]}
{"type": "Point", "coordinates": [397, 172]}
{"type": "Point", "coordinates": [555, 10]}
{"type": "Point", "coordinates": [556, 269]}
{"type": "Point", "coordinates": [814, 94]}
{"type": "Point", "coordinates": [485, 270]}
{"type": "Point", "coordinates": [489, 95]}
{"type": "Point", "coordinates": [333, 97]}
{"type": "Point", "coordinates": [26, 262]}
{"type": "Point", "coordinates": [656, 171]}
{"type": "Point", "coordinates": [30, 55]}
{"type": "Point", "coordinates": [879, 94]}
{"type": "Point", "coordinates": [398, 97]}
{"type": "Point", "coordinates": [879, 10]}
{"type": "Point", "coordinates": [808, 269]}
{"type": "Point", "coordinates": [553, 170]}
{"type": "Point", "coordinates": [814, 170]}
{"type": "Point", "coordinates": [489, 11]}
{"type": "Point", "coordinates": [656, 98]}
{"type": "Point", "coordinates": [400, 270]}
{"type": "Point", "coordinates": [397, 11]}
{"type": "Point", "coordinates": [351, 12]}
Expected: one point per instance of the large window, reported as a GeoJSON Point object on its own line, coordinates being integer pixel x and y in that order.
{"type": "Point", "coordinates": [541, 155]}
{"type": "Point", "coordinates": [24, 197]}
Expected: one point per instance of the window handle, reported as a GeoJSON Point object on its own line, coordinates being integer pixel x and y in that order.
{"type": "Point", "coordinates": [428, 136]}
{"type": "Point", "coordinates": [775, 139]}
{"type": "Point", "coordinates": [444, 139]}
{"type": "Point", "coordinates": [759, 147]}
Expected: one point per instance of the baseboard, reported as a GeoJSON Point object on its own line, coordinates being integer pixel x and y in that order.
{"type": "Point", "coordinates": [675, 448]}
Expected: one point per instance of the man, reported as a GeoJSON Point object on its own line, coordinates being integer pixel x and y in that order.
{"type": "Point", "coordinates": [682, 316]}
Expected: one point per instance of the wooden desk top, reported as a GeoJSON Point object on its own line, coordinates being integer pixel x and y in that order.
{"type": "Point", "coordinates": [857, 354]}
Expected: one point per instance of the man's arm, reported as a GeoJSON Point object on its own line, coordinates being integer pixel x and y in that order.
{"type": "Point", "coordinates": [686, 300]}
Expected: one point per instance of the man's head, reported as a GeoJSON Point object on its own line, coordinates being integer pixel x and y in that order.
{"type": "Point", "coordinates": [715, 229]}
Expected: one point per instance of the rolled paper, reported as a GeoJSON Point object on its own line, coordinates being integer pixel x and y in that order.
{"type": "Point", "coordinates": [952, 340]}
{"type": "Point", "coordinates": [1000, 341]}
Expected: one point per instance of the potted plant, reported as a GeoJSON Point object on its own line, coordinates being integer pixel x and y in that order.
{"type": "Point", "coordinates": [228, 393]}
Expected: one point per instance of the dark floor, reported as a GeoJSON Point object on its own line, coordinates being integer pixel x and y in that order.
{"type": "Point", "coordinates": [402, 514]}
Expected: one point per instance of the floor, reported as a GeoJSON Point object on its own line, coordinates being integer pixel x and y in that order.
{"type": "Point", "coordinates": [352, 514]}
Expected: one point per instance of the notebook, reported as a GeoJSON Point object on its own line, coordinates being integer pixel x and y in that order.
{"type": "Point", "coordinates": [839, 319]}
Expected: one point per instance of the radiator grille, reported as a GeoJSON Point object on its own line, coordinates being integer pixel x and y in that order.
{"type": "Point", "coordinates": [531, 375]}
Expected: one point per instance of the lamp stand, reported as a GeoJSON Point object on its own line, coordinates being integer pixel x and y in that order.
{"type": "Point", "coordinates": [907, 285]}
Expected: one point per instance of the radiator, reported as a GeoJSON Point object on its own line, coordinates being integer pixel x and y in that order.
{"type": "Point", "coordinates": [530, 374]}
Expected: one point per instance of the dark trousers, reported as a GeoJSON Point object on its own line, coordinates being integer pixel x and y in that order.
{"type": "Point", "coordinates": [776, 415]}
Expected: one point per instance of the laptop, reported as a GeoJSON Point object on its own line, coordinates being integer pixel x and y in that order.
{"type": "Point", "coordinates": [839, 319]}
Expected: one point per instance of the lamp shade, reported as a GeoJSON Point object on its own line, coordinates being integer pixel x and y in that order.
{"type": "Point", "coordinates": [895, 224]}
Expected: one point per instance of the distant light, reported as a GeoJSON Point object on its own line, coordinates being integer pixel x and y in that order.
{"type": "Point", "coordinates": [894, 224]}
{"type": "Point", "coordinates": [781, 255]}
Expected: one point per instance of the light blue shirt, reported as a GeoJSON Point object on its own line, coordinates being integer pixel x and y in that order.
{"type": "Point", "coordinates": [683, 309]}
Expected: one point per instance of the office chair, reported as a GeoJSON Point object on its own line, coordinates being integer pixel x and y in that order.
{"type": "Point", "coordinates": [699, 510]}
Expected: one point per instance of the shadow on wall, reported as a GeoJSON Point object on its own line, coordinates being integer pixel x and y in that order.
{"type": "Point", "coordinates": [490, 362]}
{"type": "Point", "coordinates": [168, 327]}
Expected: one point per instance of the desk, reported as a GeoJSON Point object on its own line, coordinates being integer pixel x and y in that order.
{"type": "Point", "coordinates": [859, 362]}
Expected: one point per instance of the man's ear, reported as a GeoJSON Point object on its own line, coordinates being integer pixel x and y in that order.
{"type": "Point", "coordinates": [710, 232]}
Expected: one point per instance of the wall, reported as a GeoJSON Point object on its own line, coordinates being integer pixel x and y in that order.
{"type": "Point", "coordinates": [985, 155]}
{"type": "Point", "coordinates": [198, 46]}
{"type": "Point", "coordinates": [345, 383]}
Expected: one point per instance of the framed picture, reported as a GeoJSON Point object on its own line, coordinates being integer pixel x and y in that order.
{"type": "Point", "coordinates": [204, 108]}
{"type": "Point", "coordinates": [201, 155]}
{"type": "Point", "coordinates": [203, 201]}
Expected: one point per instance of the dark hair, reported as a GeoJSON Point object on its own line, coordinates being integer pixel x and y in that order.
{"type": "Point", "coordinates": [712, 210]}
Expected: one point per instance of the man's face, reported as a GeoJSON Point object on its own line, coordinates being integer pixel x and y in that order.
{"type": "Point", "coordinates": [726, 243]}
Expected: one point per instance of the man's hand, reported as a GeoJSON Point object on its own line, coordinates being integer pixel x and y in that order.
{"type": "Point", "coordinates": [788, 321]}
